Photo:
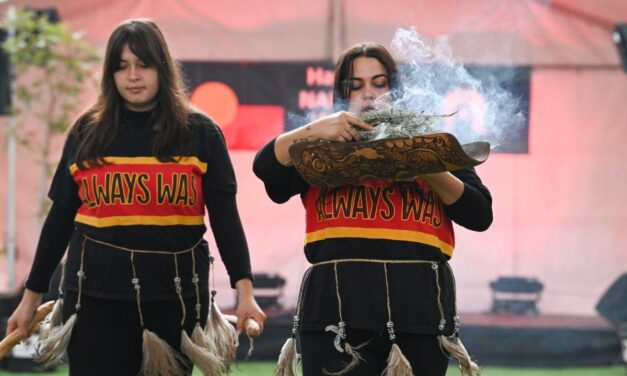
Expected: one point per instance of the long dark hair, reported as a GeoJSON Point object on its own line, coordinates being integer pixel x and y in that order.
{"type": "Point", "coordinates": [344, 70]}
{"type": "Point", "coordinates": [97, 127]}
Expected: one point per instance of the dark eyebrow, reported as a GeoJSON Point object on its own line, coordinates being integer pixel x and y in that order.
{"type": "Point", "coordinates": [373, 77]}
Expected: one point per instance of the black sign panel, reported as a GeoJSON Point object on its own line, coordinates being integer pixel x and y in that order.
{"type": "Point", "coordinates": [5, 82]}
{"type": "Point", "coordinates": [495, 108]}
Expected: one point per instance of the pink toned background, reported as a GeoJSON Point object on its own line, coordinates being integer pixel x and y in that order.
{"type": "Point", "coordinates": [560, 210]}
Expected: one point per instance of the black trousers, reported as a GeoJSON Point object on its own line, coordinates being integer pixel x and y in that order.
{"type": "Point", "coordinates": [107, 337]}
{"type": "Point", "coordinates": [422, 351]}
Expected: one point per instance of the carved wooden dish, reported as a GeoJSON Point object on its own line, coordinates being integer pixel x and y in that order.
{"type": "Point", "coordinates": [323, 163]}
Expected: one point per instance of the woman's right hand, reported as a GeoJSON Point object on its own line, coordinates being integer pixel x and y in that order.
{"type": "Point", "coordinates": [23, 314]}
{"type": "Point", "coordinates": [341, 126]}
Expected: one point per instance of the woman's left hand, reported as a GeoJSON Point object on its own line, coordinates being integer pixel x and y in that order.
{"type": "Point", "coordinates": [247, 307]}
{"type": "Point", "coordinates": [445, 185]}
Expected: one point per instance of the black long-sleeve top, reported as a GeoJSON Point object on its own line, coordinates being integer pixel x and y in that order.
{"type": "Point", "coordinates": [137, 202]}
{"type": "Point", "coordinates": [380, 220]}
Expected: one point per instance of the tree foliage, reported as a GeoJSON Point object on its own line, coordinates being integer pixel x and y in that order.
{"type": "Point", "coordinates": [53, 66]}
{"type": "Point", "coordinates": [57, 62]}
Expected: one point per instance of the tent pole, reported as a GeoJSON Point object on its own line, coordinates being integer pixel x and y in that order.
{"type": "Point", "coordinates": [11, 176]}
{"type": "Point", "coordinates": [337, 37]}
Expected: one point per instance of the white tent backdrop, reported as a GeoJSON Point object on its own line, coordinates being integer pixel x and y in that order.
{"type": "Point", "coordinates": [560, 209]}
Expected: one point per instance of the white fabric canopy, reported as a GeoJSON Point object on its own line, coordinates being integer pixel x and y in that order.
{"type": "Point", "coordinates": [559, 210]}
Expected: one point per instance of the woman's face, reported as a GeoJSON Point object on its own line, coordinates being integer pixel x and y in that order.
{"type": "Point", "coordinates": [136, 82]}
{"type": "Point", "coordinates": [369, 82]}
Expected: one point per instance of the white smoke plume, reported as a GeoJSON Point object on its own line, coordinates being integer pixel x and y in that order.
{"type": "Point", "coordinates": [433, 83]}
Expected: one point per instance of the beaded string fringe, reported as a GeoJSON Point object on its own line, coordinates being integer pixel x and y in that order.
{"type": "Point", "coordinates": [289, 358]}
{"type": "Point", "coordinates": [453, 344]}
{"type": "Point", "coordinates": [50, 349]}
{"type": "Point", "coordinates": [397, 365]}
{"type": "Point", "coordinates": [159, 359]}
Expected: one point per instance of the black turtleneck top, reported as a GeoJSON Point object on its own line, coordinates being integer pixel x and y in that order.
{"type": "Point", "coordinates": [137, 202]}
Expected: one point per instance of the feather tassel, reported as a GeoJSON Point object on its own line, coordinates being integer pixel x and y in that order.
{"type": "Point", "coordinates": [398, 365]}
{"type": "Point", "coordinates": [51, 349]}
{"type": "Point", "coordinates": [200, 338]}
{"type": "Point", "coordinates": [288, 359]}
{"type": "Point", "coordinates": [52, 320]}
{"type": "Point", "coordinates": [56, 316]}
{"type": "Point", "coordinates": [208, 362]}
{"type": "Point", "coordinates": [224, 335]}
{"type": "Point", "coordinates": [454, 346]}
{"type": "Point", "coordinates": [159, 359]}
